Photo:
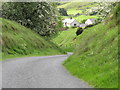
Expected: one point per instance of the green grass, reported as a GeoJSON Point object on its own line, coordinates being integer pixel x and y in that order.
{"type": "Point", "coordinates": [95, 59]}
{"type": "Point", "coordinates": [18, 41]}
{"type": "Point", "coordinates": [44, 52]}
{"type": "Point", "coordinates": [64, 17]}
{"type": "Point", "coordinates": [66, 39]}
{"type": "Point", "coordinates": [76, 5]}
{"type": "Point", "coordinates": [83, 17]}
{"type": "Point", "coordinates": [79, 18]}
{"type": "Point", "coordinates": [73, 11]}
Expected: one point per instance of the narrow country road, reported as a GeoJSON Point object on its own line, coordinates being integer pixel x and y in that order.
{"type": "Point", "coordinates": [38, 72]}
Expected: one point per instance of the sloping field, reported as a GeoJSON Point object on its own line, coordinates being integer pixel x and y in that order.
{"type": "Point", "coordinates": [19, 40]}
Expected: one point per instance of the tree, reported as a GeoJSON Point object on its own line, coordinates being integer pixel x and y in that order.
{"type": "Point", "coordinates": [63, 12]}
{"type": "Point", "coordinates": [83, 21]}
{"type": "Point", "coordinates": [104, 8]}
{"type": "Point", "coordinates": [42, 17]}
{"type": "Point", "coordinates": [79, 31]}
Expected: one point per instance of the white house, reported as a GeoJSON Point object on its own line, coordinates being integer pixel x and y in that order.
{"type": "Point", "coordinates": [82, 25]}
{"type": "Point", "coordinates": [70, 23]}
{"type": "Point", "coordinates": [90, 21]}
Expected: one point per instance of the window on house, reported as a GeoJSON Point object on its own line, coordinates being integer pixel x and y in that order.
{"type": "Point", "coordinates": [65, 23]}
{"type": "Point", "coordinates": [75, 24]}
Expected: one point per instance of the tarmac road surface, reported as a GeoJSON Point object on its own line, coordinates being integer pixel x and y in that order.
{"type": "Point", "coordinates": [38, 72]}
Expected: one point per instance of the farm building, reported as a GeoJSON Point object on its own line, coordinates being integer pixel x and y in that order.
{"type": "Point", "coordinates": [82, 25]}
{"type": "Point", "coordinates": [70, 23]}
{"type": "Point", "coordinates": [90, 21]}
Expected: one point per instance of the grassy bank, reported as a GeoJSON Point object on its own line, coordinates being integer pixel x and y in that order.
{"type": "Point", "coordinates": [95, 59]}
{"type": "Point", "coordinates": [18, 41]}
{"type": "Point", "coordinates": [66, 40]}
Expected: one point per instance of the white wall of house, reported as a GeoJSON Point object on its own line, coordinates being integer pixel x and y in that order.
{"type": "Point", "coordinates": [70, 23]}
{"type": "Point", "coordinates": [82, 25]}
{"type": "Point", "coordinates": [89, 22]}
{"type": "Point", "coordinates": [75, 23]}
{"type": "Point", "coordinates": [66, 24]}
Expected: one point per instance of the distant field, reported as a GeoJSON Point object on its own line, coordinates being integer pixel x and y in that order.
{"type": "Point", "coordinates": [73, 11]}
{"type": "Point", "coordinates": [79, 18]}
{"type": "Point", "coordinates": [75, 5]}
{"type": "Point", "coordinates": [82, 17]}
{"type": "Point", "coordinates": [64, 17]}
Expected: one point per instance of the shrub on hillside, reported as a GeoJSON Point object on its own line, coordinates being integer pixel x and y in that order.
{"type": "Point", "coordinates": [79, 31]}
{"type": "Point", "coordinates": [105, 8]}
{"type": "Point", "coordinates": [83, 21]}
{"type": "Point", "coordinates": [62, 12]}
{"type": "Point", "coordinates": [66, 28]}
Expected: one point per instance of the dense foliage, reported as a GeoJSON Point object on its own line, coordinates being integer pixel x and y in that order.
{"type": "Point", "coordinates": [104, 8]}
{"type": "Point", "coordinates": [79, 31]}
{"type": "Point", "coordinates": [42, 17]}
{"type": "Point", "coordinates": [63, 12]}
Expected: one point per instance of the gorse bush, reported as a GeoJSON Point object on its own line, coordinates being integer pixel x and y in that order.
{"type": "Point", "coordinates": [42, 17]}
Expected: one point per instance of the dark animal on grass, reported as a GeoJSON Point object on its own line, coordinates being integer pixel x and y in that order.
{"type": "Point", "coordinates": [79, 31]}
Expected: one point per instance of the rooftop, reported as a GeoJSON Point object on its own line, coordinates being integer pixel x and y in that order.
{"type": "Point", "coordinates": [68, 20]}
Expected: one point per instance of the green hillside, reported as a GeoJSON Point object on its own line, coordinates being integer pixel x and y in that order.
{"type": "Point", "coordinates": [66, 40]}
{"type": "Point", "coordinates": [83, 17]}
{"type": "Point", "coordinates": [95, 59]}
{"type": "Point", "coordinates": [80, 18]}
{"type": "Point", "coordinates": [76, 7]}
{"type": "Point", "coordinates": [20, 41]}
